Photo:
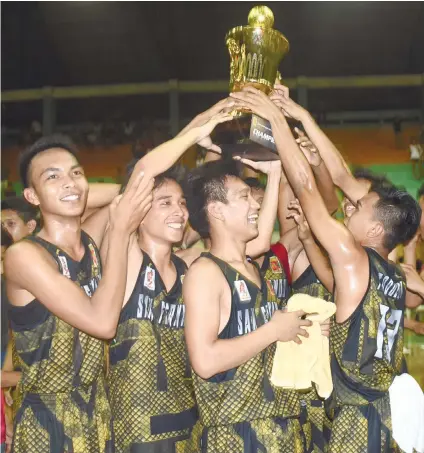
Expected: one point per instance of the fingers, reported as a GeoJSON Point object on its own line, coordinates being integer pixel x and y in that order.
{"type": "Point", "coordinates": [299, 132]}
{"type": "Point", "coordinates": [215, 149]}
{"type": "Point", "coordinates": [244, 161]}
{"type": "Point", "coordinates": [297, 340]}
{"type": "Point", "coordinates": [283, 89]}
{"type": "Point", "coordinates": [305, 322]}
{"type": "Point", "coordinates": [303, 333]}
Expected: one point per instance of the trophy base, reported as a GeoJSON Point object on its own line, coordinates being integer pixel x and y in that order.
{"type": "Point", "coordinates": [237, 141]}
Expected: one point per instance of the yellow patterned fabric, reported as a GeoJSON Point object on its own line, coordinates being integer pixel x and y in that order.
{"type": "Point", "coordinates": [65, 407]}
{"type": "Point", "coordinates": [240, 408]}
{"type": "Point", "coordinates": [366, 355]}
{"type": "Point", "coordinates": [151, 391]}
{"type": "Point", "coordinates": [308, 283]}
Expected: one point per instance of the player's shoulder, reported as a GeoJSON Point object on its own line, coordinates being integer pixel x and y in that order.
{"type": "Point", "coordinates": [203, 266]}
{"type": "Point", "coordinates": [25, 254]}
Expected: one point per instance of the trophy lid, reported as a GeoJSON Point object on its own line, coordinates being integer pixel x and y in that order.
{"type": "Point", "coordinates": [261, 17]}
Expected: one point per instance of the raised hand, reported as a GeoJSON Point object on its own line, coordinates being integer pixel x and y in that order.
{"type": "Point", "coordinates": [280, 96]}
{"type": "Point", "coordinates": [289, 325]}
{"type": "Point", "coordinates": [303, 229]}
{"type": "Point", "coordinates": [129, 209]}
{"type": "Point", "coordinates": [225, 106]}
{"type": "Point", "coordinates": [204, 130]}
{"type": "Point", "coordinates": [267, 167]}
{"type": "Point", "coordinates": [257, 101]}
{"type": "Point", "coordinates": [309, 150]}
{"type": "Point", "coordinates": [413, 281]}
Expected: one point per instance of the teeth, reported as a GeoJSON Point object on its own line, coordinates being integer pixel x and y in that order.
{"type": "Point", "coordinates": [253, 218]}
{"type": "Point", "coordinates": [175, 226]}
{"type": "Point", "coordinates": [71, 198]}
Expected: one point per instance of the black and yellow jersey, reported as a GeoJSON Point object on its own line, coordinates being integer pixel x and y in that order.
{"type": "Point", "coordinates": [65, 407]}
{"type": "Point", "coordinates": [275, 277]}
{"type": "Point", "coordinates": [151, 391]}
{"type": "Point", "coordinates": [366, 355]}
{"type": "Point", "coordinates": [241, 410]}
{"type": "Point", "coordinates": [309, 283]}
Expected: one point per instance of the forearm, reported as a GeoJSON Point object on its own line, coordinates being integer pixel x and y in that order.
{"type": "Point", "coordinates": [339, 171]}
{"type": "Point", "coordinates": [409, 256]}
{"type": "Point", "coordinates": [223, 355]}
{"type": "Point", "coordinates": [331, 156]}
{"type": "Point", "coordinates": [166, 155]}
{"type": "Point", "coordinates": [414, 300]}
{"type": "Point", "coordinates": [285, 196]}
{"type": "Point", "coordinates": [108, 299]}
{"type": "Point", "coordinates": [295, 165]}
{"type": "Point", "coordinates": [267, 216]}
{"type": "Point", "coordinates": [10, 378]}
{"type": "Point", "coordinates": [101, 194]}
{"type": "Point", "coordinates": [319, 263]}
{"type": "Point", "coordinates": [326, 187]}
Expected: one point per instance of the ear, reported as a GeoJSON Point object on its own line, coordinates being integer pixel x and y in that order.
{"type": "Point", "coordinates": [376, 230]}
{"type": "Point", "coordinates": [31, 226]}
{"type": "Point", "coordinates": [215, 210]}
{"type": "Point", "coordinates": [31, 196]}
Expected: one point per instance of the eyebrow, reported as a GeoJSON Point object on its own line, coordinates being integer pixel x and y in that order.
{"type": "Point", "coordinates": [164, 197]}
{"type": "Point", "coordinates": [59, 169]}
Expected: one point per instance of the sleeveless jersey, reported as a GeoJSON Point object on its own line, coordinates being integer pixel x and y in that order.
{"type": "Point", "coordinates": [308, 283]}
{"type": "Point", "coordinates": [65, 407]}
{"type": "Point", "coordinates": [241, 410]}
{"type": "Point", "coordinates": [366, 355]}
{"type": "Point", "coordinates": [275, 277]}
{"type": "Point", "coordinates": [152, 396]}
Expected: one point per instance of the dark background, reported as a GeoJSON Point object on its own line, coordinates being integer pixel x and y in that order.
{"type": "Point", "coordinates": [93, 43]}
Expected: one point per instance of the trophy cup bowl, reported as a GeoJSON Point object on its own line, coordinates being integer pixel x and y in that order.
{"type": "Point", "coordinates": [256, 51]}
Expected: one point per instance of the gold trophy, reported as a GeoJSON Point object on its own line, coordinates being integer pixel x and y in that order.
{"type": "Point", "coordinates": [256, 51]}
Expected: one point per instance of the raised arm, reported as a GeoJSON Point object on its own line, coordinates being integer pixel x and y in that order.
{"type": "Point", "coordinates": [268, 212]}
{"type": "Point", "coordinates": [339, 170]}
{"type": "Point", "coordinates": [349, 260]}
{"type": "Point", "coordinates": [316, 257]}
{"type": "Point", "coordinates": [32, 273]}
{"type": "Point", "coordinates": [322, 175]}
{"type": "Point", "coordinates": [204, 293]}
{"type": "Point", "coordinates": [412, 300]}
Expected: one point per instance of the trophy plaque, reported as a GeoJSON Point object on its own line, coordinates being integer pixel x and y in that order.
{"type": "Point", "coordinates": [256, 51]}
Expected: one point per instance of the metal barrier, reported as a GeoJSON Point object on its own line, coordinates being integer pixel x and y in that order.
{"type": "Point", "coordinates": [49, 95]}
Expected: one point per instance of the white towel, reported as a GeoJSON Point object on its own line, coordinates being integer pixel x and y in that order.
{"type": "Point", "coordinates": [407, 409]}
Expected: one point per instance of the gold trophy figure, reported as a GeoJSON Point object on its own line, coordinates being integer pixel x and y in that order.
{"type": "Point", "coordinates": [256, 51]}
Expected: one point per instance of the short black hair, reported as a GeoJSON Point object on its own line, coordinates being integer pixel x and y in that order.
{"type": "Point", "coordinates": [373, 178]}
{"type": "Point", "coordinates": [41, 145]}
{"type": "Point", "coordinates": [175, 173]}
{"type": "Point", "coordinates": [25, 210]}
{"type": "Point", "coordinates": [399, 213]}
{"type": "Point", "coordinates": [420, 192]}
{"type": "Point", "coordinates": [254, 183]}
{"type": "Point", "coordinates": [204, 185]}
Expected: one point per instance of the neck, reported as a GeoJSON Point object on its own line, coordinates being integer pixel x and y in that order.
{"type": "Point", "coordinates": [227, 248]}
{"type": "Point", "coordinates": [62, 231]}
{"type": "Point", "coordinates": [159, 252]}
{"type": "Point", "coordinates": [378, 248]}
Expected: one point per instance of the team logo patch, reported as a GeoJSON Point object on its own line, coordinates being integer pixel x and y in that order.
{"type": "Point", "coordinates": [275, 265]}
{"type": "Point", "coordinates": [65, 268]}
{"type": "Point", "coordinates": [93, 255]}
{"type": "Point", "coordinates": [242, 290]}
{"type": "Point", "coordinates": [149, 278]}
{"type": "Point", "coordinates": [270, 288]}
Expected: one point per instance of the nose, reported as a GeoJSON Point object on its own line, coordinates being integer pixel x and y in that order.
{"type": "Point", "coordinates": [68, 182]}
{"type": "Point", "coordinates": [254, 204]}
